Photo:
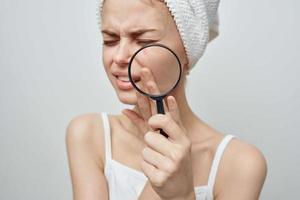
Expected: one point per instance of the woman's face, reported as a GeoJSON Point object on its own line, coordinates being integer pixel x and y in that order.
{"type": "Point", "coordinates": [126, 27]}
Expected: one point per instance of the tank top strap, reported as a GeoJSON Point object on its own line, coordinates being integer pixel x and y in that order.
{"type": "Point", "coordinates": [217, 157]}
{"type": "Point", "coordinates": [107, 137]}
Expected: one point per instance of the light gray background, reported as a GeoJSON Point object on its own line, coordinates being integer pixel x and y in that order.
{"type": "Point", "coordinates": [247, 84]}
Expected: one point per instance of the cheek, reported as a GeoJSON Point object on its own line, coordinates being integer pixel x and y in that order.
{"type": "Point", "coordinates": [177, 45]}
{"type": "Point", "coordinates": [180, 51]}
{"type": "Point", "coordinates": [107, 56]}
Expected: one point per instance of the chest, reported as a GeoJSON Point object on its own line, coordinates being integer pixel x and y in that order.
{"type": "Point", "coordinates": [127, 150]}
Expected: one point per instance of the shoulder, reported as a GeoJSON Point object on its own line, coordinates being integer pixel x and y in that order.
{"type": "Point", "coordinates": [82, 127]}
{"type": "Point", "coordinates": [85, 133]}
{"type": "Point", "coordinates": [246, 158]}
{"type": "Point", "coordinates": [243, 166]}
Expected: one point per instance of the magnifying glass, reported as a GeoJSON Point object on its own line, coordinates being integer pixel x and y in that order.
{"type": "Point", "coordinates": [162, 65]}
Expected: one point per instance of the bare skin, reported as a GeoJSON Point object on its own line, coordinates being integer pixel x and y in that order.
{"type": "Point", "coordinates": [241, 173]}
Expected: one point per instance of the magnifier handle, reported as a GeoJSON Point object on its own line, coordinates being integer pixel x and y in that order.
{"type": "Point", "coordinates": [160, 110]}
{"type": "Point", "coordinates": [163, 133]}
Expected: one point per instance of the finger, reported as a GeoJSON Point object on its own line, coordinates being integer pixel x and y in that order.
{"type": "Point", "coordinates": [152, 88]}
{"type": "Point", "coordinates": [158, 142]}
{"type": "Point", "coordinates": [144, 106]}
{"type": "Point", "coordinates": [154, 175]}
{"type": "Point", "coordinates": [152, 85]}
{"type": "Point", "coordinates": [156, 159]}
{"type": "Point", "coordinates": [136, 119]}
{"type": "Point", "coordinates": [143, 82]}
{"type": "Point", "coordinates": [149, 170]}
{"type": "Point", "coordinates": [151, 102]}
{"type": "Point", "coordinates": [143, 101]}
{"type": "Point", "coordinates": [170, 127]}
{"type": "Point", "coordinates": [149, 78]}
{"type": "Point", "coordinates": [173, 109]}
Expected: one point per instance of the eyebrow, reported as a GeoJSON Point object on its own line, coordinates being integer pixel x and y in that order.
{"type": "Point", "coordinates": [133, 33]}
{"type": "Point", "coordinates": [108, 32]}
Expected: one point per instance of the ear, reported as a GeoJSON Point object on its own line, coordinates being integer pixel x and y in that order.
{"type": "Point", "coordinates": [185, 64]}
{"type": "Point", "coordinates": [186, 68]}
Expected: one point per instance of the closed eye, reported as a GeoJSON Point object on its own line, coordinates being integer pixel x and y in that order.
{"type": "Point", "coordinates": [110, 42]}
{"type": "Point", "coordinates": [145, 42]}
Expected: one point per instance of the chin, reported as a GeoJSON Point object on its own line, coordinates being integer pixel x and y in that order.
{"type": "Point", "coordinates": [127, 97]}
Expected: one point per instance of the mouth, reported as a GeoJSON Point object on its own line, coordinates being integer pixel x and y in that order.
{"type": "Point", "coordinates": [126, 78]}
{"type": "Point", "coordinates": [124, 83]}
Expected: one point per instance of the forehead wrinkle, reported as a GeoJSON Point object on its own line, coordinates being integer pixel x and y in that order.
{"type": "Point", "coordinates": [135, 17]}
{"type": "Point", "coordinates": [133, 27]}
{"type": "Point", "coordinates": [133, 32]}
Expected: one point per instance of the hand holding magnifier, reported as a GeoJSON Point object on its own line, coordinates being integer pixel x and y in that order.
{"type": "Point", "coordinates": [164, 68]}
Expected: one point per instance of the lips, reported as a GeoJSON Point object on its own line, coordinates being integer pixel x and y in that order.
{"type": "Point", "coordinates": [126, 78]}
{"type": "Point", "coordinates": [124, 83]}
{"type": "Point", "coordinates": [123, 78]}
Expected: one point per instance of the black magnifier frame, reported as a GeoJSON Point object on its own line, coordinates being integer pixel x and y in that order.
{"type": "Point", "coordinates": [157, 98]}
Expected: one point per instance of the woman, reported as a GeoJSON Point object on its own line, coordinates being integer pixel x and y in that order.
{"type": "Point", "coordinates": [120, 157]}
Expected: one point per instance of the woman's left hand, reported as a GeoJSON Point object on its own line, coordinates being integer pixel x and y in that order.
{"type": "Point", "coordinates": [167, 161]}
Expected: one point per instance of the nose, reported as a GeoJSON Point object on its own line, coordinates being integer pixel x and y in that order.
{"type": "Point", "coordinates": [122, 55]}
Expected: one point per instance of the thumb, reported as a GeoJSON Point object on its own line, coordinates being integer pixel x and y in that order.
{"type": "Point", "coordinates": [173, 109]}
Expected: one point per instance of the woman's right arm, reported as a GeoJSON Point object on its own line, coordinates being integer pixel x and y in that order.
{"type": "Point", "coordinates": [84, 143]}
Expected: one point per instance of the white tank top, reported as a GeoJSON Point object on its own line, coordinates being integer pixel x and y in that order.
{"type": "Point", "coordinates": [126, 183]}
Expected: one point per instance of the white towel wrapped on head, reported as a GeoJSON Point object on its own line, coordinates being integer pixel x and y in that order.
{"type": "Point", "coordinates": [197, 22]}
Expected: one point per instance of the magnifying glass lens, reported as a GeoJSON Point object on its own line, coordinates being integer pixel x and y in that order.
{"type": "Point", "coordinates": [155, 70]}
{"type": "Point", "coordinates": [155, 65]}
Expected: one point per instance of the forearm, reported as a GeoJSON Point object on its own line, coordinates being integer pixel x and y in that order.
{"type": "Point", "coordinates": [149, 194]}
